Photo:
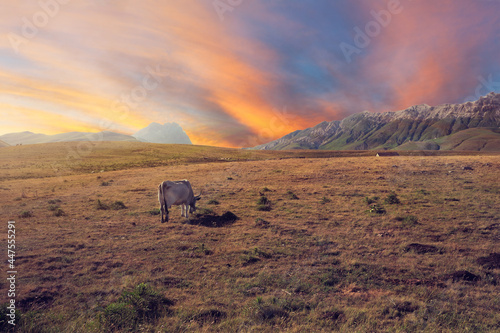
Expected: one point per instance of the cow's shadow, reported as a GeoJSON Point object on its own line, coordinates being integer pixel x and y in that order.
{"type": "Point", "coordinates": [212, 220]}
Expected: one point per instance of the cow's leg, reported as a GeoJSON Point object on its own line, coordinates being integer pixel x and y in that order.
{"type": "Point", "coordinates": [182, 210]}
{"type": "Point", "coordinates": [164, 213]}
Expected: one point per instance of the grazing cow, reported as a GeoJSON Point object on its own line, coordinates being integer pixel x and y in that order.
{"type": "Point", "coordinates": [176, 193]}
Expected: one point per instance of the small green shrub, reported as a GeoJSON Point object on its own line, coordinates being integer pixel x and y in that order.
{"type": "Point", "coordinates": [119, 316]}
{"type": "Point", "coordinates": [371, 200]}
{"type": "Point", "coordinates": [117, 205]}
{"type": "Point", "coordinates": [141, 305]}
{"type": "Point", "coordinates": [261, 223]}
{"type": "Point", "coordinates": [204, 211]}
{"type": "Point", "coordinates": [105, 184]}
{"type": "Point", "coordinates": [392, 199]}
{"type": "Point", "coordinates": [258, 252]}
{"type": "Point", "coordinates": [263, 208]}
{"type": "Point", "coordinates": [212, 316]}
{"type": "Point", "coordinates": [408, 221]}
{"type": "Point", "coordinates": [26, 213]}
{"type": "Point", "coordinates": [101, 206]}
{"type": "Point", "coordinates": [377, 209]}
{"type": "Point", "coordinates": [263, 200]}
{"type": "Point", "coordinates": [263, 204]}
{"type": "Point", "coordinates": [148, 303]}
{"type": "Point", "coordinates": [291, 195]}
{"type": "Point", "coordinates": [155, 211]}
{"type": "Point", "coordinates": [269, 310]}
{"type": "Point", "coordinates": [325, 200]}
{"type": "Point", "coordinates": [53, 207]}
{"type": "Point", "coordinates": [59, 212]}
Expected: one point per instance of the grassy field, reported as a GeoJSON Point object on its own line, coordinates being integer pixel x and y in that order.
{"type": "Point", "coordinates": [282, 241]}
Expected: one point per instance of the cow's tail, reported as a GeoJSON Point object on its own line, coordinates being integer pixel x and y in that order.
{"type": "Point", "coordinates": [163, 202]}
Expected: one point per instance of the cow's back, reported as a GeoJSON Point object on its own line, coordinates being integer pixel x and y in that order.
{"type": "Point", "coordinates": [178, 192]}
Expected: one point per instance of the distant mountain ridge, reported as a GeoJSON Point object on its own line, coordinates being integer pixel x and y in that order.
{"type": "Point", "coordinates": [431, 127]}
{"type": "Point", "coordinates": [152, 133]}
{"type": "Point", "coordinates": [34, 138]}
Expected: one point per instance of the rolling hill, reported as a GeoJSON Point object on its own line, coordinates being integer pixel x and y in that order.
{"type": "Point", "coordinates": [418, 127]}
{"type": "Point", "coordinates": [477, 139]}
{"type": "Point", "coordinates": [154, 133]}
{"type": "Point", "coordinates": [33, 138]}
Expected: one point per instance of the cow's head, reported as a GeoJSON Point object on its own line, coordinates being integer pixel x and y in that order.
{"type": "Point", "coordinates": [192, 206]}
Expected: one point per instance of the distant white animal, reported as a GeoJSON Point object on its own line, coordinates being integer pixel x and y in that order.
{"type": "Point", "coordinates": [176, 193]}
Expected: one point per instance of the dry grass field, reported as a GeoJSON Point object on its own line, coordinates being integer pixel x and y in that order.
{"type": "Point", "coordinates": [282, 241]}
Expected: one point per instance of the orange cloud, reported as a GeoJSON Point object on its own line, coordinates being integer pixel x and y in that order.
{"type": "Point", "coordinates": [54, 123]}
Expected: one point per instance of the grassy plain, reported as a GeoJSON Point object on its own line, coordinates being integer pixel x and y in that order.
{"type": "Point", "coordinates": [283, 241]}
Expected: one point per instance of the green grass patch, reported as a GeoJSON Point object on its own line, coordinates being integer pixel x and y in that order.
{"type": "Point", "coordinates": [100, 205]}
{"type": "Point", "coordinates": [325, 200]}
{"type": "Point", "coordinates": [25, 214]}
{"type": "Point", "coordinates": [142, 305]}
{"type": "Point", "coordinates": [408, 221]}
{"type": "Point", "coordinates": [117, 205]}
{"type": "Point", "coordinates": [377, 209]}
{"type": "Point", "coordinates": [392, 199]}
{"type": "Point", "coordinates": [156, 211]}
{"type": "Point", "coordinates": [371, 200]}
{"type": "Point", "coordinates": [213, 202]}
{"type": "Point", "coordinates": [263, 203]}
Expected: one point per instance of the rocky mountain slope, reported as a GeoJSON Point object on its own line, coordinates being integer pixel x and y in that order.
{"type": "Point", "coordinates": [418, 127]}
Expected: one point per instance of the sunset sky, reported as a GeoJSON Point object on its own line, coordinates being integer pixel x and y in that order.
{"type": "Point", "coordinates": [237, 73]}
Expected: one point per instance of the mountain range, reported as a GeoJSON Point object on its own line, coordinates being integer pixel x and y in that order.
{"type": "Point", "coordinates": [154, 133]}
{"type": "Point", "coordinates": [468, 126]}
